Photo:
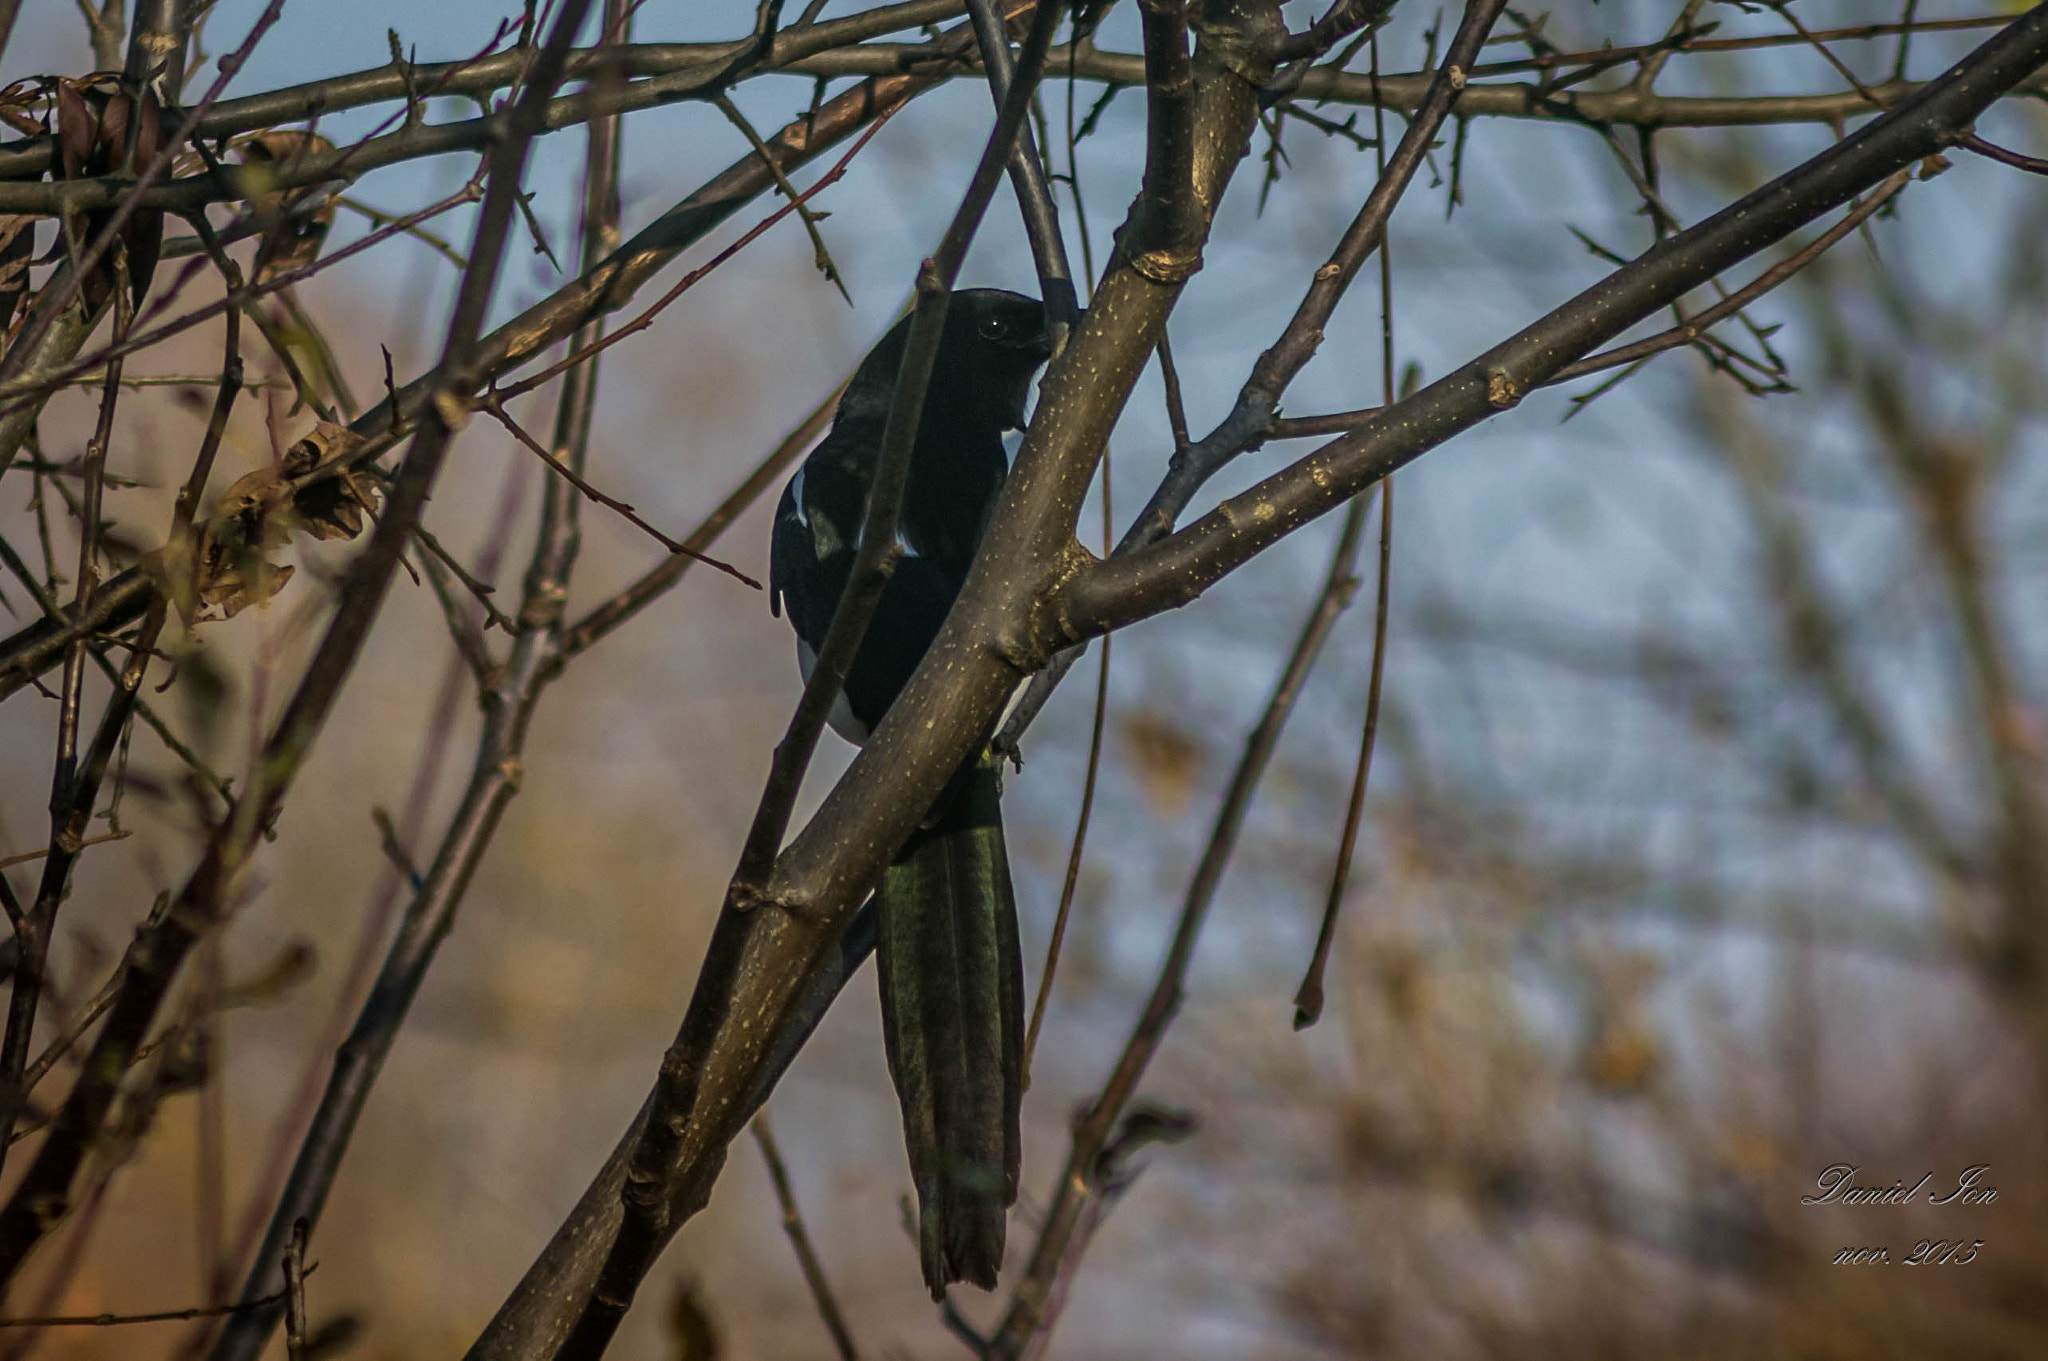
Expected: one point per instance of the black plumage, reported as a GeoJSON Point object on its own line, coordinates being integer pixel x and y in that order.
{"type": "Point", "coordinates": [947, 951]}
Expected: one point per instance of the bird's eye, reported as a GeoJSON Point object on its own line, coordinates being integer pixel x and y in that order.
{"type": "Point", "coordinates": [992, 327]}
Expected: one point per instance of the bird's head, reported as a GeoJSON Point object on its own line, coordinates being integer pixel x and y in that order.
{"type": "Point", "coordinates": [995, 341]}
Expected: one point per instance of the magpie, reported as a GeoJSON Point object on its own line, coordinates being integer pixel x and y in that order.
{"type": "Point", "coordinates": [946, 947]}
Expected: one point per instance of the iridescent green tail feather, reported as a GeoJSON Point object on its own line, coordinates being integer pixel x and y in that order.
{"type": "Point", "coordinates": [952, 1016]}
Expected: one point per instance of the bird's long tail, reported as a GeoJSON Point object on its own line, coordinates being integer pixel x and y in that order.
{"type": "Point", "coordinates": [952, 1017]}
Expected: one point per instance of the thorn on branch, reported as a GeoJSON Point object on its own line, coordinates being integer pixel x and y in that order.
{"type": "Point", "coordinates": [490, 402]}
{"type": "Point", "coordinates": [540, 237]}
{"type": "Point", "coordinates": [811, 216]}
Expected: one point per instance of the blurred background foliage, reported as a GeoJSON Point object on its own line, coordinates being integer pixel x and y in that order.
{"type": "Point", "coordinates": [1703, 850]}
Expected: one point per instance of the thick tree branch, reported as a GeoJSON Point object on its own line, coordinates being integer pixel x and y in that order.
{"type": "Point", "coordinates": [1031, 582]}
{"type": "Point", "coordinates": [1172, 572]}
{"type": "Point", "coordinates": [1251, 421]}
{"type": "Point", "coordinates": [658, 1192]}
{"type": "Point", "coordinates": [755, 995]}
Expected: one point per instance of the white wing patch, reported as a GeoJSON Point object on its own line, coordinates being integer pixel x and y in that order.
{"type": "Point", "coordinates": [841, 716]}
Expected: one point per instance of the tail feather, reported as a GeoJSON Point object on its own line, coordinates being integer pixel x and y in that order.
{"type": "Point", "coordinates": [952, 1017]}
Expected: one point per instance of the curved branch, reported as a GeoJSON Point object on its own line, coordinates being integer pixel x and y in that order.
{"type": "Point", "coordinates": [1125, 589]}
{"type": "Point", "coordinates": [1404, 92]}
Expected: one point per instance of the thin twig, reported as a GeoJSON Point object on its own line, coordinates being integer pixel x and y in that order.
{"type": "Point", "coordinates": [490, 402]}
{"type": "Point", "coordinates": [1742, 297]}
{"type": "Point", "coordinates": [1028, 1313]}
{"type": "Point", "coordinates": [796, 200]}
{"type": "Point", "coordinates": [463, 630]}
{"type": "Point", "coordinates": [480, 590]}
{"type": "Point", "coordinates": [1308, 998]}
{"type": "Point", "coordinates": [40, 1198]}
{"type": "Point", "coordinates": [875, 558]}
{"type": "Point", "coordinates": [118, 1320]}
{"type": "Point", "coordinates": [73, 789]}
{"type": "Point", "coordinates": [1176, 405]}
{"type": "Point", "coordinates": [607, 617]}
{"type": "Point", "coordinates": [378, 217]}
{"type": "Point", "coordinates": [510, 694]}
{"type": "Point", "coordinates": [2033, 165]}
{"type": "Point", "coordinates": [579, 354]}
{"type": "Point", "coordinates": [657, 1178]}
{"type": "Point", "coordinates": [1250, 420]}
{"type": "Point", "coordinates": [295, 1292]}
{"type": "Point", "coordinates": [800, 1241]}
{"type": "Point", "coordinates": [68, 288]}
{"type": "Point", "coordinates": [30, 857]}
{"type": "Point", "coordinates": [1070, 882]}
{"type": "Point", "coordinates": [1334, 423]}
{"type": "Point", "coordinates": [1027, 178]}
{"type": "Point", "coordinates": [598, 292]}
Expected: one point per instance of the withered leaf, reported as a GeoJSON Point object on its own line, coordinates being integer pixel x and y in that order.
{"type": "Point", "coordinates": [230, 565]}
{"type": "Point", "coordinates": [334, 506]}
{"type": "Point", "coordinates": [101, 134]}
{"type": "Point", "coordinates": [295, 240]}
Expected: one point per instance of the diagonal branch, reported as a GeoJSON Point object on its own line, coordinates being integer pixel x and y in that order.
{"type": "Point", "coordinates": [1251, 421]}
{"type": "Point", "coordinates": [875, 559]}
{"type": "Point", "coordinates": [509, 695]}
{"type": "Point", "coordinates": [755, 996]}
{"type": "Point", "coordinates": [1172, 572]}
{"type": "Point", "coordinates": [659, 1191]}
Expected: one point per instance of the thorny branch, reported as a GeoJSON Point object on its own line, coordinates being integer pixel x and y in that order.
{"type": "Point", "coordinates": [596, 292]}
{"type": "Point", "coordinates": [42, 1196]}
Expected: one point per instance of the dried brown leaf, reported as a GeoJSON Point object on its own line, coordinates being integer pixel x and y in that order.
{"type": "Point", "coordinates": [295, 241]}
{"type": "Point", "coordinates": [101, 134]}
{"type": "Point", "coordinates": [230, 566]}
{"type": "Point", "coordinates": [78, 128]}
{"type": "Point", "coordinates": [333, 507]}
{"type": "Point", "coordinates": [16, 101]}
